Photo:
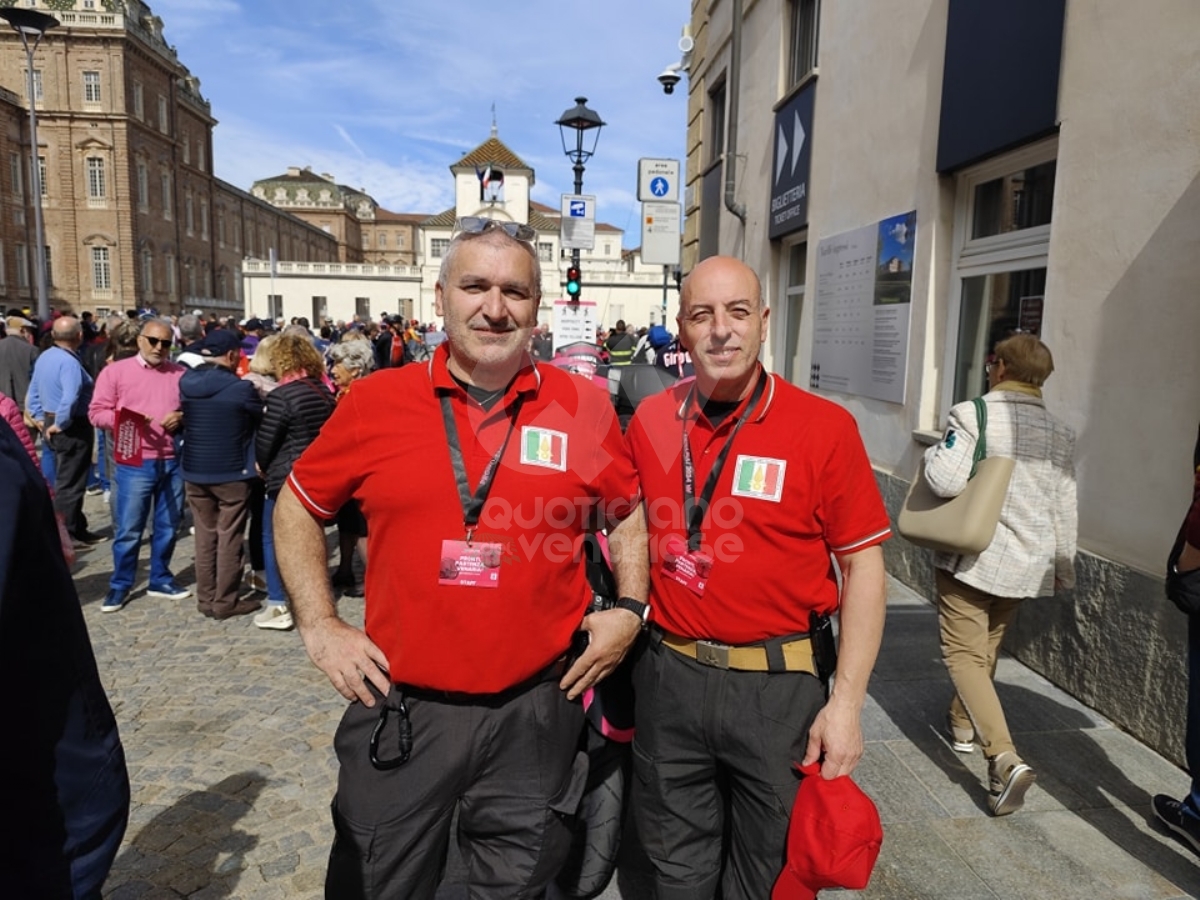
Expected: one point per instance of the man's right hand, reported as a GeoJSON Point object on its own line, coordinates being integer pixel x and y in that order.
{"type": "Point", "coordinates": [347, 657]}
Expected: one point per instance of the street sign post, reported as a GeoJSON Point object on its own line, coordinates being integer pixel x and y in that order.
{"type": "Point", "coordinates": [658, 180]}
{"type": "Point", "coordinates": [578, 222]}
{"type": "Point", "coordinates": [660, 234]}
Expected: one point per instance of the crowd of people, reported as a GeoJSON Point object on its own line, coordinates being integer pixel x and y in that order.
{"type": "Point", "coordinates": [181, 417]}
{"type": "Point", "coordinates": [741, 514]}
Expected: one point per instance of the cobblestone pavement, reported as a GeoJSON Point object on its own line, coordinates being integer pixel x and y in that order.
{"type": "Point", "coordinates": [228, 731]}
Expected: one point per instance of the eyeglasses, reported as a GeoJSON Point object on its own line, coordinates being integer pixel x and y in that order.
{"type": "Point", "coordinates": [481, 224]}
{"type": "Point", "coordinates": [165, 343]}
{"type": "Point", "coordinates": [988, 366]}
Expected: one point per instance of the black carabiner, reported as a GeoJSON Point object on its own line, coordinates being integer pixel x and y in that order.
{"type": "Point", "coordinates": [404, 727]}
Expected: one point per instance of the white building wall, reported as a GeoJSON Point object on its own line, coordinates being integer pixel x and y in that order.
{"type": "Point", "coordinates": [1121, 311]}
{"type": "Point", "coordinates": [1125, 271]}
{"type": "Point", "coordinates": [386, 288]}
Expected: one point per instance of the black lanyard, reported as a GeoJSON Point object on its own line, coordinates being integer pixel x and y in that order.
{"type": "Point", "coordinates": [693, 508]}
{"type": "Point", "coordinates": [472, 506]}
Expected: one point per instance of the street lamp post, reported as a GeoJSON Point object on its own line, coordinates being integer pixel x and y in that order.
{"type": "Point", "coordinates": [31, 23]}
{"type": "Point", "coordinates": [579, 119]}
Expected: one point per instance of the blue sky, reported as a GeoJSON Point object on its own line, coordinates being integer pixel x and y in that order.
{"type": "Point", "coordinates": [387, 94]}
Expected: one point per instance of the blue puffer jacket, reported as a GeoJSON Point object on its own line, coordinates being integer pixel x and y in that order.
{"type": "Point", "coordinates": [220, 415]}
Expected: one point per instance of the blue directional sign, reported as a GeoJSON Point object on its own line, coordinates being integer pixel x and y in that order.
{"type": "Point", "coordinates": [578, 209]}
{"type": "Point", "coordinates": [793, 155]}
{"type": "Point", "coordinates": [659, 187]}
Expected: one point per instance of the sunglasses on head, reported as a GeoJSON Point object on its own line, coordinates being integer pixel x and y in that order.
{"type": "Point", "coordinates": [165, 343]}
{"type": "Point", "coordinates": [481, 224]}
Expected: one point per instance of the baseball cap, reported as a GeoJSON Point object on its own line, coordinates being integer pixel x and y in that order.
{"type": "Point", "coordinates": [833, 838]}
{"type": "Point", "coordinates": [217, 343]}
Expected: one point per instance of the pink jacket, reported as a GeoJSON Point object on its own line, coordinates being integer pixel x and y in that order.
{"type": "Point", "coordinates": [12, 415]}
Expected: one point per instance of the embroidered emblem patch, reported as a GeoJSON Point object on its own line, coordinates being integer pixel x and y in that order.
{"type": "Point", "coordinates": [543, 447]}
{"type": "Point", "coordinates": [950, 437]}
{"type": "Point", "coordinates": [759, 477]}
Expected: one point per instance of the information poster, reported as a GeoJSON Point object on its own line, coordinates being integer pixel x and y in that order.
{"type": "Point", "coordinates": [574, 321]}
{"type": "Point", "coordinates": [864, 299]}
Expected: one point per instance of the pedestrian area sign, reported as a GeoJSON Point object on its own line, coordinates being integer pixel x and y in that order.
{"type": "Point", "coordinates": [578, 222]}
{"type": "Point", "coordinates": [658, 179]}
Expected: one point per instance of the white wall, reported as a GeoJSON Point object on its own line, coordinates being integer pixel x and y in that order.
{"type": "Point", "coordinates": [340, 284]}
{"type": "Point", "coordinates": [1125, 269]}
{"type": "Point", "coordinates": [1122, 309]}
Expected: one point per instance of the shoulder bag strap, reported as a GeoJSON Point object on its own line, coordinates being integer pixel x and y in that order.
{"type": "Point", "coordinates": [981, 441]}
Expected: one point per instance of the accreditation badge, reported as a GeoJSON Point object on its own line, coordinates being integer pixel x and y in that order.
{"type": "Point", "coordinates": [691, 568]}
{"type": "Point", "coordinates": [470, 564]}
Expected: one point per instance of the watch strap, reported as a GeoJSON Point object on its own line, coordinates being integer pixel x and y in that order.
{"type": "Point", "coordinates": [637, 607]}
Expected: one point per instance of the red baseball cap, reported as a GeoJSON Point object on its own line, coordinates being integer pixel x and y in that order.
{"type": "Point", "coordinates": [833, 838]}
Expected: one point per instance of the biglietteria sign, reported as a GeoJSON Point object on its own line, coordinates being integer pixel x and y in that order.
{"type": "Point", "coordinates": [789, 174]}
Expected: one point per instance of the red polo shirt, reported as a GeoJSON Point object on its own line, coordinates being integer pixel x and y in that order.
{"type": "Point", "coordinates": [797, 485]}
{"type": "Point", "coordinates": [386, 447]}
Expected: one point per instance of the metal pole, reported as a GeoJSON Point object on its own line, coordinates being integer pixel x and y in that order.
{"type": "Point", "coordinates": [665, 270]}
{"type": "Point", "coordinates": [578, 190]}
{"type": "Point", "coordinates": [43, 296]}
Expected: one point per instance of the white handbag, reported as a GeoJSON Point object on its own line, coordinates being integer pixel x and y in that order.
{"type": "Point", "coordinates": [967, 522]}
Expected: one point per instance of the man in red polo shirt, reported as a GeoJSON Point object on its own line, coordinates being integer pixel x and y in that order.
{"type": "Point", "coordinates": [461, 699]}
{"type": "Point", "coordinates": [749, 484]}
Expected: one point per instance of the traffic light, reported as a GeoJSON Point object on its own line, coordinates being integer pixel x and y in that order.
{"type": "Point", "coordinates": [574, 283]}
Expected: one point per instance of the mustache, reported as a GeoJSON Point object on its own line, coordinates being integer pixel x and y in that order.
{"type": "Point", "coordinates": [494, 328]}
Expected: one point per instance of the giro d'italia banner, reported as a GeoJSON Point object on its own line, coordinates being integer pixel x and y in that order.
{"type": "Point", "coordinates": [864, 298]}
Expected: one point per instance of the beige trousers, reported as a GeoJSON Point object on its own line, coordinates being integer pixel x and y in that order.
{"type": "Point", "coordinates": [972, 624]}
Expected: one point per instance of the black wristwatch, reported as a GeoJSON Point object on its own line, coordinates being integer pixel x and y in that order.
{"type": "Point", "coordinates": [637, 607]}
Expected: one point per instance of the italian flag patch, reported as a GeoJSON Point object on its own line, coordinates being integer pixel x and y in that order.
{"type": "Point", "coordinates": [543, 447]}
{"type": "Point", "coordinates": [759, 477]}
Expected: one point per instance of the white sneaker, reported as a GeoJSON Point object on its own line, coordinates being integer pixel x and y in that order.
{"type": "Point", "coordinates": [276, 617]}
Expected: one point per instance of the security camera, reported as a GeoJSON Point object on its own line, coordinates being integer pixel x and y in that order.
{"type": "Point", "coordinates": [669, 78]}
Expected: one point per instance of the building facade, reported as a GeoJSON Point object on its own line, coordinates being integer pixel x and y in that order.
{"type": "Point", "coordinates": [134, 216]}
{"type": "Point", "coordinates": [391, 260]}
{"type": "Point", "coordinates": [938, 176]}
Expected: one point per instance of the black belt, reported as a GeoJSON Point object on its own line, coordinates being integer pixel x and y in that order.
{"type": "Point", "coordinates": [552, 672]}
{"type": "Point", "coordinates": [395, 702]}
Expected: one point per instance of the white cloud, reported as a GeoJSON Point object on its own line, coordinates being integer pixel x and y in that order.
{"type": "Point", "coordinates": [388, 95]}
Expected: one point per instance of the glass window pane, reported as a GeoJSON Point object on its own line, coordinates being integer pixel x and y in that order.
{"type": "Point", "coordinates": [794, 298]}
{"type": "Point", "coordinates": [1019, 200]}
{"type": "Point", "coordinates": [993, 307]}
{"type": "Point", "coordinates": [805, 18]}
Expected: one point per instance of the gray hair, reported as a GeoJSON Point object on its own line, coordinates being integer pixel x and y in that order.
{"type": "Point", "coordinates": [160, 320]}
{"type": "Point", "coordinates": [190, 327]}
{"type": "Point", "coordinates": [357, 356]}
{"type": "Point", "coordinates": [495, 235]}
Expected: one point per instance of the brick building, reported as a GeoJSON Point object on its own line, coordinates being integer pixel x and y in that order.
{"type": "Point", "coordinates": [134, 216]}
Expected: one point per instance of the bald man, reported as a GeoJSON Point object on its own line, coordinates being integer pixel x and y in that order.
{"type": "Point", "coordinates": [750, 486]}
{"type": "Point", "coordinates": [58, 398]}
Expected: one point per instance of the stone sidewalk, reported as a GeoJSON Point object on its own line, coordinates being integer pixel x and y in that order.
{"type": "Point", "coordinates": [228, 733]}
